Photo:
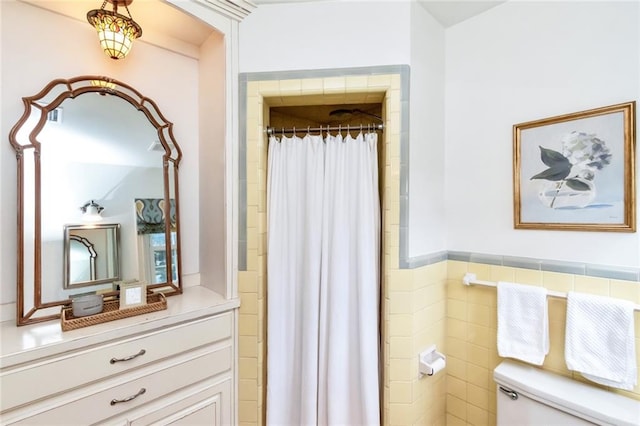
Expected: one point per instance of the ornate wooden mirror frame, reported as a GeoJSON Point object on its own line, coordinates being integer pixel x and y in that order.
{"type": "Point", "coordinates": [29, 206]}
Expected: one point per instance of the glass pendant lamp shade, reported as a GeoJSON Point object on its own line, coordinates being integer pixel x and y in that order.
{"type": "Point", "coordinates": [115, 31]}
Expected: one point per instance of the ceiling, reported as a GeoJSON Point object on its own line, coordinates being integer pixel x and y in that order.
{"type": "Point", "coordinates": [447, 12]}
{"type": "Point", "coordinates": [161, 20]}
{"type": "Point", "coordinates": [451, 12]}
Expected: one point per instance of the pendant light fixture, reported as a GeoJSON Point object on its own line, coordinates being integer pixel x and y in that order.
{"type": "Point", "coordinates": [116, 31]}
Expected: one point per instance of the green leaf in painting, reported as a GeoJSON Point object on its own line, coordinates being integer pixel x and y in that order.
{"type": "Point", "coordinates": [554, 173]}
{"type": "Point", "coordinates": [578, 185]}
{"type": "Point", "coordinates": [552, 158]}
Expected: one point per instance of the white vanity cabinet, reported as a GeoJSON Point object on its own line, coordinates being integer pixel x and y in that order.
{"type": "Point", "coordinates": [168, 367]}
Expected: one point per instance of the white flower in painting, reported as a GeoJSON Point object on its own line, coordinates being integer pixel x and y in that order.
{"type": "Point", "coordinates": [586, 153]}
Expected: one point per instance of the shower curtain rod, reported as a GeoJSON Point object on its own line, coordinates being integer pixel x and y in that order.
{"type": "Point", "coordinates": [371, 127]}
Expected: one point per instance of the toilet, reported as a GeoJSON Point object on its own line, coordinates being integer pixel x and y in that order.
{"type": "Point", "coordinates": [530, 396]}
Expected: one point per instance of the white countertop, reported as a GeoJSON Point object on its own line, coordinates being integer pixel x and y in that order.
{"type": "Point", "coordinates": [30, 342]}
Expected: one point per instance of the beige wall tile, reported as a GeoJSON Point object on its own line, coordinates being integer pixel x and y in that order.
{"type": "Point", "coordinates": [479, 376]}
{"type": "Point", "coordinates": [482, 315]}
{"type": "Point", "coordinates": [402, 370]}
{"type": "Point", "coordinates": [557, 282]}
{"type": "Point", "coordinates": [248, 368]}
{"type": "Point", "coordinates": [481, 335]}
{"type": "Point", "coordinates": [400, 392]}
{"type": "Point", "coordinates": [477, 416]}
{"type": "Point", "coordinates": [456, 270]}
{"type": "Point", "coordinates": [248, 411]}
{"type": "Point", "coordinates": [457, 387]}
{"type": "Point", "coordinates": [400, 325]}
{"type": "Point", "coordinates": [528, 276]}
{"type": "Point", "coordinates": [457, 407]}
{"type": "Point", "coordinates": [249, 303]}
{"type": "Point", "coordinates": [247, 390]}
{"type": "Point", "coordinates": [248, 325]}
{"type": "Point", "coordinates": [456, 309]}
{"type": "Point", "coordinates": [401, 302]}
{"type": "Point", "coordinates": [290, 87]}
{"type": "Point", "coordinates": [478, 396]}
{"type": "Point", "coordinates": [400, 414]}
{"type": "Point", "coordinates": [333, 85]}
{"type": "Point", "coordinates": [455, 421]}
{"type": "Point", "coordinates": [482, 296]}
{"type": "Point", "coordinates": [501, 273]}
{"type": "Point", "coordinates": [457, 328]}
{"type": "Point", "coordinates": [457, 348]}
{"type": "Point", "coordinates": [478, 355]}
{"type": "Point", "coordinates": [401, 347]}
{"type": "Point", "coordinates": [592, 285]}
{"type": "Point", "coordinates": [248, 346]}
{"type": "Point", "coordinates": [627, 290]}
{"type": "Point", "coordinates": [456, 367]}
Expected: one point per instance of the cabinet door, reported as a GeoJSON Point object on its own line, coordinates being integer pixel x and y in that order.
{"type": "Point", "coordinates": [209, 406]}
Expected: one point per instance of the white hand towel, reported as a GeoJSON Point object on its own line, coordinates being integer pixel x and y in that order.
{"type": "Point", "coordinates": [523, 322]}
{"type": "Point", "coordinates": [600, 339]}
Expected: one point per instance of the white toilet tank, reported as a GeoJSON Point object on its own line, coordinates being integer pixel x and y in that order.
{"type": "Point", "coordinates": [530, 396]}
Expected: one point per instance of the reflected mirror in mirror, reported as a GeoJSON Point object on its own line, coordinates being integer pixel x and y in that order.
{"type": "Point", "coordinates": [91, 138]}
{"type": "Point", "coordinates": [91, 255]}
{"type": "Point", "coordinates": [151, 219]}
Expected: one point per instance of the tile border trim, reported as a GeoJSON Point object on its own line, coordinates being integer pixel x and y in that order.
{"type": "Point", "coordinates": [576, 268]}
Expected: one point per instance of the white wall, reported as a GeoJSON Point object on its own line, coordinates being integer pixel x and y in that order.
{"type": "Point", "coordinates": [518, 62]}
{"type": "Point", "coordinates": [321, 35]}
{"type": "Point", "coordinates": [64, 48]}
{"type": "Point", "coordinates": [212, 165]}
{"type": "Point", "coordinates": [426, 166]}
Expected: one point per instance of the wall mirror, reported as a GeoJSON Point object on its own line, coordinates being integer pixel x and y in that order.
{"type": "Point", "coordinates": [93, 138]}
{"type": "Point", "coordinates": [91, 255]}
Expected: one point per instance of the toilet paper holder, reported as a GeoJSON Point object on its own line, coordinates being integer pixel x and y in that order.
{"type": "Point", "coordinates": [431, 361]}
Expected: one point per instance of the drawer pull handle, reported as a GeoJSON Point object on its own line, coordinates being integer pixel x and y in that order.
{"type": "Point", "coordinates": [511, 394]}
{"type": "Point", "coordinates": [129, 398]}
{"type": "Point", "coordinates": [128, 358]}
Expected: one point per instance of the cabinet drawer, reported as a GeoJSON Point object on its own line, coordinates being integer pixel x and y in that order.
{"type": "Point", "coordinates": [94, 403]}
{"type": "Point", "coordinates": [41, 379]}
{"type": "Point", "coordinates": [208, 404]}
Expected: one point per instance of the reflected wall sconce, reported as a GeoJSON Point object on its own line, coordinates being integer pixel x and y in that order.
{"type": "Point", "coordinates": [115, 31]}
{"type": "Point", "coordinates": [92, 211]}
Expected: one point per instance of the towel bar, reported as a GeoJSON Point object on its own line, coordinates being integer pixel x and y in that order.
{"type": "Point", "coordinates": [470, 279]}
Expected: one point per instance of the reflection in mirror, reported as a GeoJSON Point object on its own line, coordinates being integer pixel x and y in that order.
{"type": "Point", "coordinates": [92, 138]}
{"type": "Point", "coordinates": [81, 261]}
{"type": "Point", "coordinates": [91, 254]}
{"type": "Point", "coordinates": [151, 219]}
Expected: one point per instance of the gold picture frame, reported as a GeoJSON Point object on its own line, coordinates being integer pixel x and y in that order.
{"type": "Point", "coordinates": [576, 172]}
{"type": "Point", "coordinates": [132, 293]}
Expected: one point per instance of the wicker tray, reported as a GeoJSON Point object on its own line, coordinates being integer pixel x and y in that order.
{"type": "Point", "coordinates": [111, 311]}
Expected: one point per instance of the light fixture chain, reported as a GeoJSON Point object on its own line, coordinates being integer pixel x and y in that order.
{"type": "Point", "coordinates": [127, 9]}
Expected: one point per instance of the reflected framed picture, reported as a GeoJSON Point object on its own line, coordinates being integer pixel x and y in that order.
{"type": "Point", "coordinates": [576, 171]}
{"type": "Point", "coordinates": [132, 293]}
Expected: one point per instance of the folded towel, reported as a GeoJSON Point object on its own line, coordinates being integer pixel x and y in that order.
{"type": "Point", "coordinates": [523, 322]}
{"type": "Point", "coordinates": [600, 339]}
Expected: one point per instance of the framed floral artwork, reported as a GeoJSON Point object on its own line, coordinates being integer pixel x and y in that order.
{"type": "Point", "coordinates": [576, 171]}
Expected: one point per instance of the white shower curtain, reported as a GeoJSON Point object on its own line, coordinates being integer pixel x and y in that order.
{"type": "Point", "coordinates": [323, 281]}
